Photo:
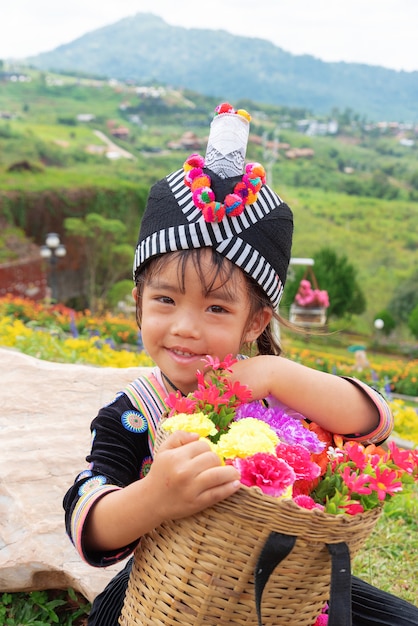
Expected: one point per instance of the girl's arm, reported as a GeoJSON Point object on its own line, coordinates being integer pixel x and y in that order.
{"type": "Point", "coordinates": [332, 402]}
{"type": "Point", "coordinates": [185, 478]}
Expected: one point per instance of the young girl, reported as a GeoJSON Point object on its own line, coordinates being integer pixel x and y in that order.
{"type": "Point", "coordinates": [210, 266]}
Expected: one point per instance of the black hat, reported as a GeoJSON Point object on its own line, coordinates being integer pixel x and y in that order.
{"type": "Point", "coordinates": [239, 216]}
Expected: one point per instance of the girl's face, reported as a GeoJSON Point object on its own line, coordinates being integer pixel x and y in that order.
{"type": "Point", "coordinates": [182, 321]}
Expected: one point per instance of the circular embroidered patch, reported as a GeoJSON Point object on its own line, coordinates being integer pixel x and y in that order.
{"type": "Point", "coordinates": [92, 483]}
{"type": "Point", "coordinates": [134, 421]}
{"type": "Point", "coordinates": [84, 474]}
{"type": "Point", "coordinates": [145, 467]}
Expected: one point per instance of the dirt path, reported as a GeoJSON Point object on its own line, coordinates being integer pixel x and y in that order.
{"type": "Point", "coordinates": [113, 147]}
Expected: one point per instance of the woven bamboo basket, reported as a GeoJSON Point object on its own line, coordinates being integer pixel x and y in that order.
{"type": "Point", "coordinates": [199, 571]}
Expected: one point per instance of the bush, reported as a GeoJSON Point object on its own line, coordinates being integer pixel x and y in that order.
{"type": "Point", "coordinates": [388, 321]}
{"type": "Point", "coordinates": [413, 322]}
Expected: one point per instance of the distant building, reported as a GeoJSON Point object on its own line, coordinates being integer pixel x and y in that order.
{"type": "Point", "coordinates": [188, 141]}
{"type": "Point", "coordinates": [85, 117]}
{"type": "Point", "coordinates": [314, 127]}
{"type": "Point", "coordinates": [120, 132]}
{"type": "Point", "coordinates": [299, 153]}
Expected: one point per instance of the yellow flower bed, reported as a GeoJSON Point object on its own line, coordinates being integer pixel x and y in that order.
{"type": "Point", "coordinates": [52, 347]}
{"type": "Point", "coordinates": [406, 420]}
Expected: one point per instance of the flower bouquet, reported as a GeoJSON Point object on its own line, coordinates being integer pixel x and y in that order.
{"type": "Point", "coordinates": [308, 297]}
{"type": "Point", "coordinates": [310, 305]}
{"type": "Point", "coordinates": [267, 552]}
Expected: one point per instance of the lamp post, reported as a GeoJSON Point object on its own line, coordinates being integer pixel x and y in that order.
{"type": "Point", "coordinates": [53, 250]}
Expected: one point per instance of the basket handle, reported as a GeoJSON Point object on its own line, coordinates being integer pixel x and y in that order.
{"type": "Point", "coordinates": [278, 546]}
{"type": "Point", "coordinates": [309, 273]}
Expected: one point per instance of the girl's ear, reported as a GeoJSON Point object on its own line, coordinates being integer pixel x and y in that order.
{"type": "Point", "coordinates": [134, 293]}
{"type": "Point", "coordinates": [259, 322]}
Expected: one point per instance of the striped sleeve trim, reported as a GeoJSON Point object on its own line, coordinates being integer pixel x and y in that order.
{"type": "Point", "coordinates": [147, 394]}
{"type": "Point", "coordinates": [80, 513]}
{"type": "Point", "coordinates": [386, 423]}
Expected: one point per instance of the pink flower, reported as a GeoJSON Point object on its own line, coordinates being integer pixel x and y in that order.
{"type": "Point", "coordinates": [306, 502]}
{"type": "Point", "coordinates": [356, 483]}
{"type": "Point", "coordinates": [402, 458]}
{"type": "Point", "coordinates": [207, 395]}
{"type": "Point", "coordinates": [385, 483]}
{"type": "Point", "coordinates": [356, 453]}
{"type": "Point", "coordinates": [299, 459]}
{"type": "Point", "coordinates": [272, 475]}
{"type": "Point", "coordinates": [242, 393]}
{"type": "Point", "coordinates": [215, 364]}
{"type": "Point", "coordinates": [321, 620]}
{"type": "Point", "coordinates": [180, 404]}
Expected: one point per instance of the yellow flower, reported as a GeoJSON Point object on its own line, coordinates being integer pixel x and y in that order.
{"type": "Point", "coordinates": [191, 423]}
{"type": "Point", "coordinates": [247, 437]}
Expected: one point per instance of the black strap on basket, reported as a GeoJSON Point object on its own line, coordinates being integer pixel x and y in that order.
{"type": "Point", "coordinates": [278, 546]}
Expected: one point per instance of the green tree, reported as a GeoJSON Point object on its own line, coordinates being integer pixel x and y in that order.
{"type": "Point", "coordinates": [404, 299]}
{"type": "Point", "coordinates": [413, 322]}
{"type": "Point", "coordinates": [107, 255]}
{"type": "Point", "coordinates": [338, 276]}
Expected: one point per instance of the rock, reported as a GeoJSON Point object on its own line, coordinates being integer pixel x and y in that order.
{"type": "Point", "coordinates": [46, 410]}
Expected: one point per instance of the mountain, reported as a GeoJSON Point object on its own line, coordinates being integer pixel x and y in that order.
{"type": "Point", "coordinates": [145, 49]}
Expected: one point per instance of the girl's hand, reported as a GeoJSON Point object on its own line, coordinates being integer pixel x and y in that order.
{"type": "Point", "coordinates": [189, 477]}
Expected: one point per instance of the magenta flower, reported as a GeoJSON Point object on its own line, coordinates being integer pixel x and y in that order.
{"type": "Point", "coordinates": [272, 475]}
{"type": "Point", "coordinates": [306, 502]}
{"type": "Point", "coordinates": [356, 483]}
{"type": "Point", "coordinates": [215, 364]}
{"type": "Point", "coordinates": [385, 483]}
{"type": "Point", "coordinates": [299, 460]}
{"type": "Point", "coordinates": [235, 390]}
{"type": "Point", "coordinates": [207, 395]}
{"type": "Point", "coordinates": [356, 453]}
{"type": "Point", "coordinates": [180, 404]}
{"type": "Point", "coordinates": [402, 458]}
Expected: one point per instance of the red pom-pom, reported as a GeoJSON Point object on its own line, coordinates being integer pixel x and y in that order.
{"type": "Point", "coordinates": [234, 205]}
{"type": "Point", "coordinates": [224, 107]}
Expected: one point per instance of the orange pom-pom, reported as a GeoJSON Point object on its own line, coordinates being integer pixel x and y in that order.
{"type": "Point", "coordinates": [200, 181]}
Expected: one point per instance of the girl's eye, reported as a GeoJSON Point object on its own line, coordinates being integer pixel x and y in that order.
{"type": "Point", "coordinates": [217, 308]}
{"type": "Point", "coordinates": [165, 299]}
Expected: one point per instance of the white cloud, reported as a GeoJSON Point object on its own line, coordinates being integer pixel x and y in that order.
{"type": "Point", "coordinates": [377, 32]}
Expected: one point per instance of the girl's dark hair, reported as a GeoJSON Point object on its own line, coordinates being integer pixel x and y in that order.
{"type": "Point", "coordinates": [266, 343]}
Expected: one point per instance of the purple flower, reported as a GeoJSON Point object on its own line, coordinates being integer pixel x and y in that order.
{"type": "Point", "coordinates": [289, 429]}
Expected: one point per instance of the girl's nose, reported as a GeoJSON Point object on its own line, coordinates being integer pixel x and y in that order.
{"type": "Point", "coordinates": [187, 324]}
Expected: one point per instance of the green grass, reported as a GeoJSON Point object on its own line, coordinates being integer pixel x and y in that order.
{"type": "Point", "coordinates": [389, 559]}
{"type": "Point", "coordinates": [43, 608]}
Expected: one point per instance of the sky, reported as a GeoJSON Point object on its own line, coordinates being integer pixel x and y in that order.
{"type": "Point", "coordinates": [375, 32]}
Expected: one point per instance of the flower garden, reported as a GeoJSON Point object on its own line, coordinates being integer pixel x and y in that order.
{"type": "Point", "coordinates": [58, 333]}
